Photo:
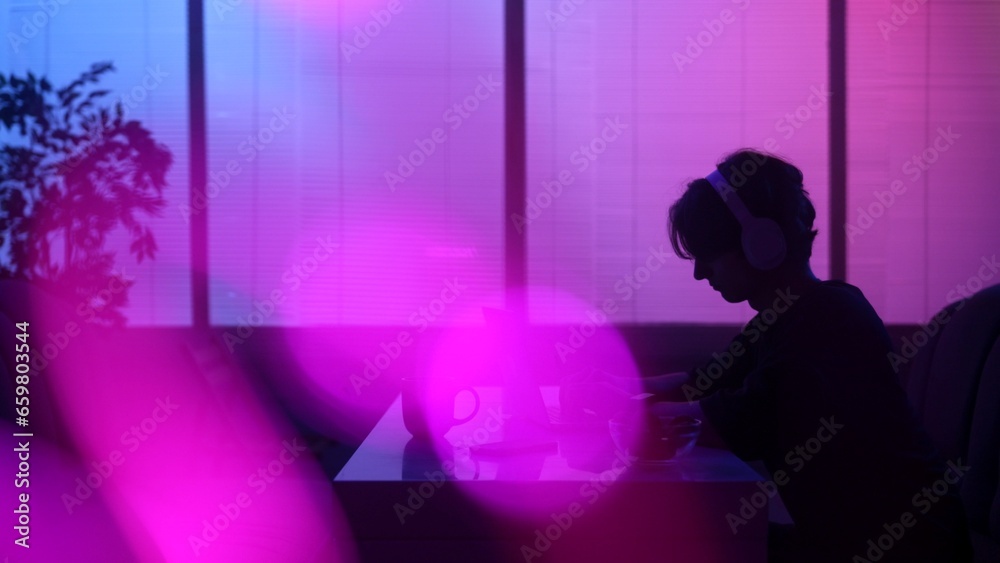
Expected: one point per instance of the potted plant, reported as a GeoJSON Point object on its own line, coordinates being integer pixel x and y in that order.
{"type": "Point", "coordinates": [73, 169]}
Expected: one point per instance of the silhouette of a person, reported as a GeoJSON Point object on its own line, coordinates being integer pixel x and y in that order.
{"type": "Point", "coordinates": [807, 386]}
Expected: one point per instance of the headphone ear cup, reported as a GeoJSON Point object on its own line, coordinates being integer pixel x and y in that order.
{"type": "Point", "coordinates": [762, 239]}
{"type": "Point", "coordinates": [763, 243]}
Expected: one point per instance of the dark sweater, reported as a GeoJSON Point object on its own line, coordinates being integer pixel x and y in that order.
{"type": "Point", "coordinates": [810, 392]}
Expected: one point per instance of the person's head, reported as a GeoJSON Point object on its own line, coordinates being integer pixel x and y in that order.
{"type": "Point", "coordinates": [703, 229]}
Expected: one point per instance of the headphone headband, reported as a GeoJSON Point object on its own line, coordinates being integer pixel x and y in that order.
{"type": "Point", "coordinates": [762, 239]}
{"type": "Point", "coordinates": [729, 195]}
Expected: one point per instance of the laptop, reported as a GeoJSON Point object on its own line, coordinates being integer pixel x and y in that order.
{"type": "Point", "coordinates": [522, 395]}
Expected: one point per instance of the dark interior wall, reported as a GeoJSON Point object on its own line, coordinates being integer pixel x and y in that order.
{"type": "Point", "coordinates": [344, 352]}
{"type": "Point", "coordinates": [655, 348]}
{"type": "Point", "coordinates": [335, 411]}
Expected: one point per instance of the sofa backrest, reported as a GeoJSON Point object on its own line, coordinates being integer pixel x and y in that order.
{"type": "Point", "coordinates": [954, 385]}
{"type": "Point", "coordinates": [981, 487]}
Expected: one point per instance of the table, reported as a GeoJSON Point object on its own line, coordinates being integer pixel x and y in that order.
{"type": "Point", "coordinates": [408, 500]}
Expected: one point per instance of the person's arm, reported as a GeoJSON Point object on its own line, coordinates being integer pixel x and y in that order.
{"type": "Point", "coordinates": [675, 408]}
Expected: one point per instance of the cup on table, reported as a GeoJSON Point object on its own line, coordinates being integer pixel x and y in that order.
{"type": "Point", "coordinates": [429, 405]}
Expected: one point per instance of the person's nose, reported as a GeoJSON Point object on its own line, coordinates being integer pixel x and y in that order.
{"type": "Point", "coordinates": [701, 270]}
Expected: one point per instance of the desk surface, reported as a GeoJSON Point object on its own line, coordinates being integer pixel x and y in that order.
{"type": "Point", "coordinates": [389, 453]}
{"type": "Point", "coordinates": [394, 493]}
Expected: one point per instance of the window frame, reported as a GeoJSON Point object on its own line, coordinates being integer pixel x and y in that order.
{"type": "Point", "coordinates": [515, 147]}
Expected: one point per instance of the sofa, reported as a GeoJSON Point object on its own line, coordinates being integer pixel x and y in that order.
{"type": "Point", "coordinates": [951, 372]}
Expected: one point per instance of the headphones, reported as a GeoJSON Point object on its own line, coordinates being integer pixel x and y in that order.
{"type": "Point", "coordinates": [762, 239]}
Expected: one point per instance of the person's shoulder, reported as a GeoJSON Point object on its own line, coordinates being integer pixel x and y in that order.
{"type": "Point", "coordinates": [827, 302]}
{"type": "Point", "coordinates": [840, 303]}
{"type": "Point", "coordinates": [838, 293]}
{"type": "Point", "coordinates": [831, 317]}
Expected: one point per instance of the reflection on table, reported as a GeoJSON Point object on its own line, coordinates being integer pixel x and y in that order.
{"type": "Point", "coordinates": [576, 497]}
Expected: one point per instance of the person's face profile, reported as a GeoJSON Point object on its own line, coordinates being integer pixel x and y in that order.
{"type": "Point", "coordinates": [729, 273]}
